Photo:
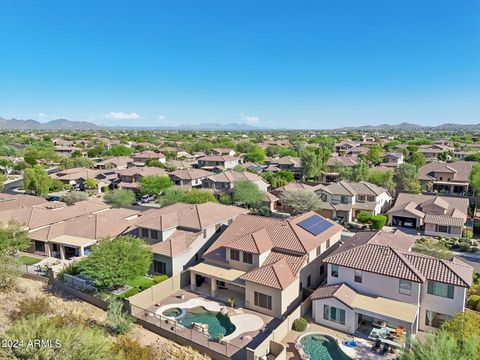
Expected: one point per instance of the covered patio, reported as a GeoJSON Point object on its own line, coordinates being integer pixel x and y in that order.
{"type": "Point", "coordinates": [217, 281]}
{"type": "Point", "coordinates": [65, 247]}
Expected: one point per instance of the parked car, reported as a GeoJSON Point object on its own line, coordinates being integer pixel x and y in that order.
{"type": "Point", "coordinates": [52, 198]}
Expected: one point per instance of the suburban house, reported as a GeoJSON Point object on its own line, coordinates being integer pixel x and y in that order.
{"type": "Point", "coordinates": [218, 162]}
{"type": "Point", "coordinates": [118, 162]}
{"type": "Point", "coordinates": [76, 177]}
{"type": "Point", "coordinates": [450, 178]}
{"type": "Point", "coordinates": [343, 147]}
{"type": "Point", "coordinates": [345, 200]}
{"type": "Point", "coordinates": [376, 283]}
{"type": "Point", "coordinates": [431, 152]}
{"type": "Point", "coordinates": [130, 178]}
{"type": "Point", "coordinates": [392, 159]}
{"type": "Point", "coordinates": [179, 234]}
{"type": "Point", "coordinates": [222, 151]}
{"type": "Point", "coordinates": [140, 158]}
{"type": "Point", "coordinates": [436, 215]}
{"type": "Point", "coordinates": [293, 164]}
{"type": "Point", "coordinates": [38, 216]}
{"type": "Point", "coordinates": [75, 236]}
{"type": "Point", "coordinates": [189, 177]}
{"type": "Point", "coordinates": [267, 262]}
{"type": "Point", "coordinates": [224, 182]}
{"type": "Point", "coordinates": [331, 175]}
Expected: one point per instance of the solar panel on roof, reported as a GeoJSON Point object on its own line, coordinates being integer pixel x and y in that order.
{"type": "Point", "coordinates": [315, 225]}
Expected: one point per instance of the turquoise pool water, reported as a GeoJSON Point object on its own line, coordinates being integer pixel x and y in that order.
{"type": "Point", "coordinates": [218, 324]}
{"type": "Point", "coordinates": [322, 347]}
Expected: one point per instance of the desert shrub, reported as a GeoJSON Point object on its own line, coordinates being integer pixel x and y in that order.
{"type": "Point", "coordinates": [118, 321]}
{"type": "Point", "coordinates": [9, 271]}
{"type": "Point", "coordinates": [37, 306]}
{"type": "Point", "coordinates": [364, 217]}
{"type": "Point", "coordinates": [378, 221]}
{"type": "Point", "coordinates": [473, 301]}
{"type": "Point", "coordinates": [129, 292]}
{"type": "Point", "coordinates": [159, 278]}
{"type": "Point", "coordinates": [74, 197]}
{"type": "Point", "coordinates": [300, 324]}
{"type": "Point", "coordinates": [131, 349]}
{"type": "Point", "coordinates": [468, 234]}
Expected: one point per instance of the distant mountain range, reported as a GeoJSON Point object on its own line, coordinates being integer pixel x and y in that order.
{"type": "Point", "coordinates": [414, 127]}
{"type": "Point", "coordinates": [64, 124]}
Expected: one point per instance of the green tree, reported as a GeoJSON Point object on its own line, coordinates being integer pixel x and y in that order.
{"type": "Point", "coordinates": [75, 162]}
{"type": "Point", "coordinates": [311, 164]}
{"type": "Point", "coordinates": [76, 341]}
{"type": "Point", "coordinates": [114, 262]}
{"type": "Point", "coordinates": [381, 178]}
{"type": "Point", "coordinates": [56, 185]}
{"type": "Point", "coordinates": [360, 171]}
{"type": "Point", "coordinates": [374, 155]}
{"type": "Point", "coordinates": [344, 172]}
{"type": "Point", "coordinates": [37, 180]}
{"type": "Point", "coordinates": [247, 193]}
{"type": "Point", "coordinates": [475, 179]}
{"type": "Point", "coordinates": [96, 151]}
{"type": "Point", "coordinates": [90, 184]}
{"type": "Point", "coordinates": [197, 196]}
{"type": "Point", "coordinates": [154, 163]}
{"type": "Point", "coordinates": [245, 147]}
{"type": "Point", "coordinates": [416, 158]}
{"type": "Point", "coordinates": [442, 346]}
{"type": "Point", "coordinates": [154, 184]}
{"type": "Point", "coordinates": [257, 155]}
{"type": "Point", "coordinates": [74, 197]}
{"type": "Point", "coordinates": [119, 150]}
{"type": "Point", "coordinates": [119, 197]}
{"type": "Point", "coordinates": [3, 178]}
{"type": "Point", "coordinates": [13, 238]}
{"type": "Point", "coordinates": [407, 178]}
{"type": "Point", "coordinates": [300, 201]}
{"type": "Point", "coordinates": [171, 196]}
{"type": "Point", "coordinates": [6, 165]}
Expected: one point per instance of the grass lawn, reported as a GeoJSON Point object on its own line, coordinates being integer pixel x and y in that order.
{"type": "Point", "coordinates": [140, 281]}
{"type": "Point", "coordinates": [28, 260]}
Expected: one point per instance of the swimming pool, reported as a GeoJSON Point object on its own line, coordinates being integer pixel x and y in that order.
{"type": "Point", "coordinates": [321, 347]}
{"type": "Point", "coordinates": [219, 325]}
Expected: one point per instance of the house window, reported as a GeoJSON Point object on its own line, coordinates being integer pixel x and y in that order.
{"type": "Point", "coordinates": [319, 250]}
{"type": "Point", "coordinates": [247, 258]}
{"type": "Point", "coordinates": [145, 233]}
{"type": "Point", "coordinates": [334, 314]}
{"type": "Point", "coordinates": [443, 228]}
{"type": "Point", "coordinates": [358, 276]}
{"type": "Point", "coordinates": [344, 199]}
{"type": "Point", "coordinates": [234, 255]}
{"type": "Point", "coordinates": [405, 287]}
{"type": "Point", "coordinates": [322, 269]}
{"type": "Point", "coordinates": [440, 289]}
{"type": "Point", "coordinates": [39, 246]}
{"type": "Point", "coordinates": [154, 234]}
{"type": "Point", "coordinates": [205, 233]}
{"type": "Point", "coordinates": [309, 281]}
{"type": "Point", "coordinates": [334, 271]}
{"type": "Point", "coordinates": [435, 319]}
{"type": "Point", "coordinates": [370, 198]}
{"type": "Point", "coordinates": [328, 243]}
{"type": "Point", "coordinates": [159, 267]}
{"type": "Point", "coordinates": [361, 197]}
{"type": "Point", "coordinates": [262, 300]}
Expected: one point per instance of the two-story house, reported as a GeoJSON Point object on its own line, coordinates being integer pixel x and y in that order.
{"type": "Point", "coordinates": [345, 200]}
{"type": "Point", "coordinates": [375, 282]}
{"type": "Point", "coordinates": [140, 158]}
{"type": "Point", "coordinates": [331, 175]}
{"type": "Point", "coordinates": [222, 151]}
{"type": "Point", "coordinates": [224, 182]}
{"type": "Point", "coordinates": [450, 178]}
{"type": "Point", "coordinates": [217, 162]}
{"type": "Point", "coordinates": [344, 146]}
{"type": "Point", "coordinates": [436, 215]}
{"type": "Point", "coordinates": [189, 177]}
{"type": "Point", "coordinates": [431, 152]}
{"type": "Point", "coordinates": [179, 234]}
{"type": "Point", "coordinates": [392, 159]}
{"type": "Point", "coordinates": [291, 163]}
{"type": "Point", "coordinates": [267, 262]}
{"type": "Point", "coordinates": [130, 178]}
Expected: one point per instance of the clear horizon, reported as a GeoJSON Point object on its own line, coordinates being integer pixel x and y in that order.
{"type": "Point", "coordinates": [271, 64]}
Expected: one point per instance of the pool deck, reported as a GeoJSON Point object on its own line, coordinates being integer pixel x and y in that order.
{"type": "Point", "coordinates": [363, 351]}
{"type": "Point", "coordinates": [238, 316]}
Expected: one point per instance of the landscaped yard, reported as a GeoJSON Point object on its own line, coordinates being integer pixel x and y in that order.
{"type": "Point", "coordinates": [28, 260]}
{"type": "Point", "coordinates": [141, 283]}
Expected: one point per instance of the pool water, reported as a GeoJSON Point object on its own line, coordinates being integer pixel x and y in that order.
{"type": "Point", "coordinates": [322, 347]}
{"type": "Point", "coordinates": [173, 312]}
{"type": "Point", "coordinates": [219, 325]}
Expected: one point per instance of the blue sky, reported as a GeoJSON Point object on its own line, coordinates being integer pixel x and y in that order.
{"type": "Point", "coordinates": [294, 64]}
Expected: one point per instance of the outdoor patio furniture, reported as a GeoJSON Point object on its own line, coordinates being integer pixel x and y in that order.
{"type": "Point", "coordinates": [379, 323]}
{"type": "Point", "coordinates": [386, 349]}
{"type": "Point", "coordinates": [377, 345]}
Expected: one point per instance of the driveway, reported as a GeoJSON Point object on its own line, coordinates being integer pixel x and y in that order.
{"type": "Point", "coordinates": [470, 258]}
